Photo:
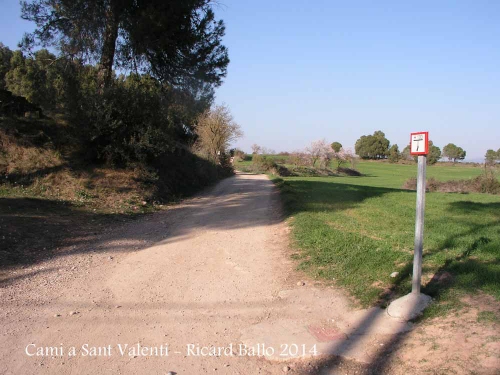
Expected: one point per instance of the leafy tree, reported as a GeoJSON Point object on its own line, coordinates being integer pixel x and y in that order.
{"type": "Point", "coordinates": [319, 150]}
{"type": "Point", "coordinates": [336, 146]}
{"type": "Point", "coordinates": [344, 156]}
{"type": "Point", "coordinates": [453, 152]}
{"type": "Point", "coordinates": [5, 57]}
{"type": "Point", "coordinates": [34, 78]}
{"type": "Point", "coordinates": [405, 154]}
{"type": "Point", "coordinates": [128, 122]}
{"type": "Point", "coordinates": [44, 79]}
{"type": "Point", "coordinates": [394, 154]}
{"type": "Point", "coordinates": [492, 156]}
{"type": "Point", "coordinates": [216, 130]}
{"type": "Point", "coordinates": [176, 42]}
{"type": "Point", "coordinates": [374, 146]}
{"type": "Point", "coordinates": [434, 154]}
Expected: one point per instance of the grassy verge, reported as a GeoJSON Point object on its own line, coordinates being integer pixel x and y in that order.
{"type": "Point", "coordinates": [358, 230]}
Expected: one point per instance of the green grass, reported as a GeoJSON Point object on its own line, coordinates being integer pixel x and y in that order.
{"type": "Point", "coordinates": [394, 175]}
{"type": "Point", "coordinates": [358, 230]}
{"type": "Point", "coordinates": [488, 316]}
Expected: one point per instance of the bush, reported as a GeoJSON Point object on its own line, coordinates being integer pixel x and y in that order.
{"type": "Point", "coordinates": [265, 164]}
{"type": "Point", "coordinates": [239, 155]}
{"type": "Point", "coordinates": [128, 122]}
{"type": "Point", "coordinates": [485, 183]}
{"type": "Point", "coordinates": [135, 119]}
{"type": "Point", "coordinates": [12, 105]}
{"type": "Point", "coordinates": [281, 171]}
{"type": "Point", "coordinates": [183, 173]}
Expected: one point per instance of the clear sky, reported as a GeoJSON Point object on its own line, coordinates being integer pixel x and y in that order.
{"type": "Point", "coordinates": [305, 70]}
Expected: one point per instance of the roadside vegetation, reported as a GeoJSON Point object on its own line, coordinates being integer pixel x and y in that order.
{"type": "Point", "coordinates": [112, 125]}
{"type": "Point", "coordinates": [356, 231]}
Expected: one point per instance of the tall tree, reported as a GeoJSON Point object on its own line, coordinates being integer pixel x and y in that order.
{"type": "Point", "coordinates": [5, 57]}
{"type": "Point", "coordinates": [492, 156]}
{"type": "Point", "coordinates": [432, 157]}
{"type": "Point", "coordinates": [394, 154]}
{"type": "Point", "coordinates": [453, 152]}
{"type": "Point", "coordinates": [175, 41]}
{"type": "Point", "coordinates": [374, 146]}
{"type": "Point", "coordinates": [40, 78]}
{"type": "Point", "coordinates": [405, 154]}
{"type": "Point", "coordinates": [434, 154]}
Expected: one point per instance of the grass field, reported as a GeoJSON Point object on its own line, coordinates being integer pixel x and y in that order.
{"type": "Point", "coordinates": [358, 230]}
{"type": "Point", "coordinates": [394, 175]}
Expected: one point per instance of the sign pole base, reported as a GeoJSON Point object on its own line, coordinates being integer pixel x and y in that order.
{"type": "Point", "coordinates": [408, 307]}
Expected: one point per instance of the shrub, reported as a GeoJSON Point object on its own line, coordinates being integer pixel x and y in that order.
{"type": "Point", "coordinates": [281, 171]}
{"type": "Point", "coordinates": [239, 155]}
{"type": "Point", "coordinates": [265, 164]}
{"type": "Point", "coordinates": [485, 183]}
{"type": "Point", "coordinates": [183, 173]}
{"type": "Point", "coordinates": [126, 123]}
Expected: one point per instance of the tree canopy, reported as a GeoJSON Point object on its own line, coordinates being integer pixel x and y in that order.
{"type": "Point", "coordinates": [405, 154]}
{"type": "Point", "coordinates": [5, 57]}
{"type": "Point", "coordinates": [176, 42]}
{"type": "Point", "coordinates": [432, 157]}
{"type": "Point", "coordinates": [394, 154]}
{"type": "Point", "coordinates": [136, 118]}
{"type": "Point", "coordinates": [216, 129]}
{"type": "Point", "coordinates": [374, 146]}
{"type": "Point", "coordinates": [336, 146]}
{"type": "Point", "coordinates": [434, 154]}
{"type": "Point", "coordinates": [492, 156]}
{"type": "Point", "coordinates": [453, 152]}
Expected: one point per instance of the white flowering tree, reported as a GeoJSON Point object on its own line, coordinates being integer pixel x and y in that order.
{"type": "Point", "coordinates": [344, 156]}
{"type": "Point", "coordinates": [320, 151]}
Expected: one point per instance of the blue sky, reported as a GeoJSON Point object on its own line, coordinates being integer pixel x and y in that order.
{"type": "Point", "coordinates": [305, 70]}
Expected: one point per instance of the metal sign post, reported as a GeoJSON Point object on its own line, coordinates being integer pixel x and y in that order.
{"type": "Point", "coordinates": [410, 306]}
{"type": "Point", "coordinates": [419, 146]}
{"type": "Point", "coordinates": [419, 225]}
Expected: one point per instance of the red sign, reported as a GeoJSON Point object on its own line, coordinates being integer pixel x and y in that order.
{"type": "Point", "coordinates": [419, 143]}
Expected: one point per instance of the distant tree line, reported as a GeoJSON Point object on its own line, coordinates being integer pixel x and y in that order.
{"type": "Point", "coordinates": [374, 147]}
{"type": "Point", "coordinates": [377, 146]}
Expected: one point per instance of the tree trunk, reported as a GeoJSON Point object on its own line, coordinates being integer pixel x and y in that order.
{"type": "Point", "coordinates": [109, 44]}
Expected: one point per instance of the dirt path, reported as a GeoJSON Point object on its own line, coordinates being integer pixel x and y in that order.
{"type": "Point", "coordinates": [211, 279]}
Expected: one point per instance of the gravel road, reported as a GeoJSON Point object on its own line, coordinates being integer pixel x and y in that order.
{"type": "Point", "coordinates": [189, 278]}
{"type": "Point", "coordinates": [207, 286]}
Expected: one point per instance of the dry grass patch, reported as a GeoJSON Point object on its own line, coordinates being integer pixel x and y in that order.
{"type": "Point", "coordinates": [485, 183]}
